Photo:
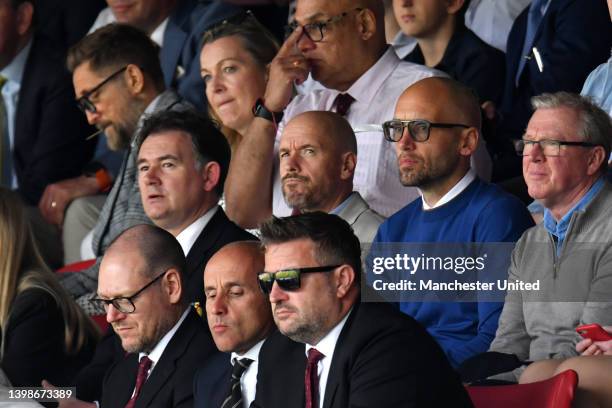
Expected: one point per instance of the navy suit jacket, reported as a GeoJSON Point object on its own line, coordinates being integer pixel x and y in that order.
{"type": "Point", "coordinates": [573, 38]}
{"type": "Point", "coordinates": [383, 358]}
{"type": "Point", "coordinates": [180, 54]}
{"type": "Point", "coordinates": [170, 382]}
{"type": "Point", "coordinates": [50, 130]}
{"type": "Point", "coordinates": [211, 382]}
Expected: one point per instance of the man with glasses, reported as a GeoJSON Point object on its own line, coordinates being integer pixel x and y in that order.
{"type": "Point", "coordinates": [332, 349]}
{"type": "Point", "coordinates": [342, 45]}
{"type": "Point", "coordinates": [564, 150]}
{"type": "Point", "coordinates": [118, 80]}
{"type": "Point", "coordinates": [142, 289]}
{"type": "Point", "coordinates": [435, 130]}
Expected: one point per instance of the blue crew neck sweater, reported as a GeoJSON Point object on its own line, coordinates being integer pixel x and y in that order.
{"type": "Point", "coordinates": [480, 213]}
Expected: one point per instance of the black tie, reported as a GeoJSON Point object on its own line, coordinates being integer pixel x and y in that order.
{"type": "Point", "coordinates": [343, 103]}
{"type": "Point", "coordinates": [234, 397]}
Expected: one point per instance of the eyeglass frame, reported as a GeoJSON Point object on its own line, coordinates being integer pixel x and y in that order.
{"type": "Point", "coordinates": [300, 271]}
{"type": "Point", "coordinates": [321, 25]}
{"type": "Point", "coordinates": [130, 299]}
{"type": "Point", "coordinates": [85, 104]}
{"type": "Point", "coordinates": [406, 123]}
{"type": "Point", "coordinates": [551, 142]}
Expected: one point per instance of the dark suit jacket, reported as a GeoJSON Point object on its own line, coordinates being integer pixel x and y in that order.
{"type": "Point", "coordinates": [182, 39]}
{"type": "Point", "coordinates": [219, 232]}
{"type": "Point", "coordinates": [170, 382]}
{"type": "Point", "coordinates": [34, 343]}
{"type": "Point", "coordinates": [211, 382]}
{"type": "Point", "coordinates": [383, 358]}
{"type": "Point", "coordinates": [573, 38]}
{"type": "Point", "coordinates": [50, 131]}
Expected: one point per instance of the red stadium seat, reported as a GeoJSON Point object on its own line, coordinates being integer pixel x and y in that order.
{"type": "Point", "coordinates": [556, 392]}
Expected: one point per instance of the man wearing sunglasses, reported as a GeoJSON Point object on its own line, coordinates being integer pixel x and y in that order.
{"type": "Point", "coordinates": [141, 287]}
{"type": "Point", "coordinates": [565, 151]}
{"type": "Point", "coordinates": [117, 80]}
{"type": "Point", "coordinates": [240, 319]}
{"type": "Point", "coordinates": [436, 129]}
{"type": "Point", "coordinates": [332, 349]}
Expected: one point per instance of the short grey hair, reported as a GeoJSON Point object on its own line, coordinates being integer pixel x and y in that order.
{"type": "Point", "coordinates": [595, 125]}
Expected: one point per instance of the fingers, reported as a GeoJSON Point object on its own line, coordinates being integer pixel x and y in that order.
{"type": "Point", "coordinates": [290, 44]}
{"type": "Point", "coordinates": [584, 344]}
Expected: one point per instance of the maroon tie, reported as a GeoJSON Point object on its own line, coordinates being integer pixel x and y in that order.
{"type": "Point", "coordinates": [343, 103]}
{"type": "Point", "coordinates": [311, 378]}
{"type": "Point", "coordinates": [141, 377]}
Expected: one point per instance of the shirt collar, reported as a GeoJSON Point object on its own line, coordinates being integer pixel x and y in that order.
{"type": "Point", "coordinates": [403, 44]}
{"type": "Point", "coordinates": [343, 204]}
{"type": "Point", "coordinates": [365, 88]}
{"type": "Point", "coordinates": [159, 348]}
{"type": "Point", "coordinates": [327, 344]}
{"type": "Point", "coordinates": [453, 192]}
{"type": "Point", "coordinates": [157, 36]}
{"type": "Point", "coordinates": [187, 237]}
{"type": "Point", "coordinates": [558, 228]}
{"type": "Point", "coordinates": [14, 71]}
{"type": "Point", "coordinates": [252, 353]}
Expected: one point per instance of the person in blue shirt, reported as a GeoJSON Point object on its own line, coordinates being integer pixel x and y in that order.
{"type": "Point", "coordinates": [436, 129]}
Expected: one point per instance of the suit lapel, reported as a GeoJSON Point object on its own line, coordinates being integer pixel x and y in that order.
{"type": "Point", "coordinates": [354, 208]}
{"type": "Point", "coordinates": [205, 241]}
{"type": "Point", "coordinates": [174, 40]}
{"type": "Point", "coordinates": [166, 365]}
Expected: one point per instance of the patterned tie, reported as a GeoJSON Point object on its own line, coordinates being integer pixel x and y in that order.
{"type": "Point", "coordinates": [534, 18]}
{"type": "Point", "coordinates": [5, 144]}
{"type": "Point", "coordinates": [234, 398]}
{"type": "Point", "coordinates": [343, 103]}
{"type": "Point", "coordinates": [311, 378]}
{"type": "Point", "coordinates": [141, 377]}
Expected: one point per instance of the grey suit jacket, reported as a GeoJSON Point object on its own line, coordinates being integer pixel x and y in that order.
{"type": "Point", "coordinates": [362, 218]}
{"type": "Point", "coordinates": [123, 206]}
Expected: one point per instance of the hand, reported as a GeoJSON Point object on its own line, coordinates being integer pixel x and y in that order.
{"type": "Point", "coordinates": [588, 347]}
{"type": "Point", "coordinates": [58, 196]}
{"type": "Point", "coordinates": [286, 68]}
{"type": "Point", "coordinates": [70, 402]}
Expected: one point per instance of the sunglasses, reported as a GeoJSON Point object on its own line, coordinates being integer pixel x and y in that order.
{"type": "Point", "coordinates": [288, 279]}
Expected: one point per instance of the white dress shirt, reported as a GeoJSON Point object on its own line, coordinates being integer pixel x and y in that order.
{"type": "Point", "coordinates": [13, 72]}
{"type": "Point", "coordinates": [327, 346]}
{"type": "Point", "coordinates": [376, 94]}
{"type": "Point", "coordinates": [187, 237]}
{"type": "Point", "coordinates": [453, 192]}
{"type": "Point", "coordinates": [106, 17]}
{"type": "Point", "coordinates": [248, 381]}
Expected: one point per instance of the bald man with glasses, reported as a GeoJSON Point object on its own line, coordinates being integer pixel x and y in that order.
{"type": "Point", "coordinates": [333, 350]}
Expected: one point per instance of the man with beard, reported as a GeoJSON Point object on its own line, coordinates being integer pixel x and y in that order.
{"type": "Point", "coordinates": [141, 288]}
{"type": "Point", "coordinates": [436, 129]}
{"type": "Point", "coordinates": [318, 155]}
{"type": "Point", "coordinates": [118, 81]}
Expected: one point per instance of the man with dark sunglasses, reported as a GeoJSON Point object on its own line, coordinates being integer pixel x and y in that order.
{"type": "Point", "coordinates": [332, 349]}
{"type": "Point", "coordinates": [436, 130]}
{"type": "Point", "coordinates": [118, 81]}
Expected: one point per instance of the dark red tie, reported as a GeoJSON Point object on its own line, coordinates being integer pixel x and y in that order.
{"type": "Point", "coordinates": [141, 377]}
{"type": "Point", "coordinates": [343, 103]}
{"type": "Point", "coordinates": [311, 378]}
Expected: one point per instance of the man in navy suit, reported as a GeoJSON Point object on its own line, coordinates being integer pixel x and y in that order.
{"type": "Point", "coordinates": [553, 46]}
{"type": "Point", "coordinates": [240, 319]}
{"type": "Point", "coordinates": [339, 352]}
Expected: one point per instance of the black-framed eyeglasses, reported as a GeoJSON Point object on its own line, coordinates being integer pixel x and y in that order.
{"type": "Point", "coordinates": [288, 279]}
{"type": "Point", "coordinates": [84, 103]}
{"type": "Point", "coordinates": [549, 147]}
{"type": "Point", "coordinates": [124, 304]}
{"type": "Point", "coordinates": [316, 31]}
{"type": "Point", "coordinates": [418, 129]}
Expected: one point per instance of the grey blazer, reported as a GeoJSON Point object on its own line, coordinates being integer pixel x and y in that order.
{"type": "Point", "coordinates": [362, 218]}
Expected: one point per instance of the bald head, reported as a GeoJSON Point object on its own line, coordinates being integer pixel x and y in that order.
{"type": "Point", "coordinates": [238, 313]}
{"type": "Point", "coordinates": [318, 155]}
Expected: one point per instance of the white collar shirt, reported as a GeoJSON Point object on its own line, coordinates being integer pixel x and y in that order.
{"type": "Point", "coordinates": [453, 192]}
{"type": "Point", "coordinates": [248, 381]}
{"type": "Point", "coordinates": [187, 237]}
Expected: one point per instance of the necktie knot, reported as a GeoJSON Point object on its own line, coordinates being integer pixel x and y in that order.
{"type": "Point", "coordinates": [240, 366]}
{"type": "Point", "coordinates": [311, 378]}
{"type": "Point", "coordinates": [314, 356]}
{"type": "Point", "coordinates": [143, 370]}
{"type": "Point", "coordinates": [343, 103]}
{"type": "Point", "coordinates": [144, 366]}
{"type": "Point", "coordinates": [234, 397]}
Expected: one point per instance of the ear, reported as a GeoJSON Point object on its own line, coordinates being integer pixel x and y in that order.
{"type": "Point", "coordinates": [134, 78]}
{"type": "Point", "coordinates": [172, 286]}
{"type": "Point", "coordinates": [349, 162]}
{"type": "Point", "coordinates": [453, 6]}
{"type": "Point", "coordinates": [25, 14]}
{"type": "Point", "coordinates": [366, 24]}
{"type": "Point", "coordinates": [596, 158]}
{"type": "Point", "coordinates": [468, 142]}
{"type": "Point", "coordinates": [345, 278]}
{"type": "Point", "coordinates": [211, 174]}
